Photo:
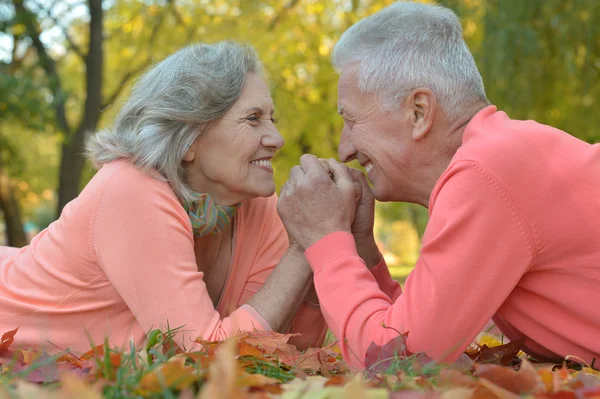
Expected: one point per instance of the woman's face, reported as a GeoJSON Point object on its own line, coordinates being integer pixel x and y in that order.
{"type": "Point", "coordinates": [231, 161]}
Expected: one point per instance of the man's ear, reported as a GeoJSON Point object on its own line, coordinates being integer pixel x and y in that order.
{"type": "Point", "coordinates": [422, 104]}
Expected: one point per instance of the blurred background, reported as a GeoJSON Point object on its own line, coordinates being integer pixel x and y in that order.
{"type": "Point", "coordinates": [67, 64]}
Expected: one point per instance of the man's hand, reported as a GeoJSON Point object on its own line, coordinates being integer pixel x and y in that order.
{"type": "Point", "coordinates": [313, 204]}
{"type": "Point", "coordinates": [362, 228]}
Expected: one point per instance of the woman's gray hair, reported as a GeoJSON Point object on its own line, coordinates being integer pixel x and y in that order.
{"type": "Point", "coordinates": [171, 105]}
{"type": "Point", "coordinates": [408, 45]}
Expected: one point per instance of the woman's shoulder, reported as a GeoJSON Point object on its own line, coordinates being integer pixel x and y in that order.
{"type": "Point", "coordinates": [122, 178]}
{"type": "Point", "coordinates": [119, 184]}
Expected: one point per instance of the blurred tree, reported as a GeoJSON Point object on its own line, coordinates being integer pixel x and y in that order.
{"type": "Point", "coordinates": [539, 59]}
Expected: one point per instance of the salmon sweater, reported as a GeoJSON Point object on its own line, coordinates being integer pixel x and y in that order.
{"type": "Point", "coordinates": [120, 262]}
{"type": "Point", "coordinates": [514, 234]}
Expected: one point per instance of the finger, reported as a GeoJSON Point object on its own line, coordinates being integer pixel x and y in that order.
{"type": "Point", "coordinates": [356, 174]}
{"type": "Point", "coordinates": [311, 164]}
{"type": "Point", "coordinates": [367, 194]}
{"type": "Point", "coordinates": [296, 172]}
{"type": "Point", "coordinates": [357, 189]}
{"type": "Point", "coordinates": [360, 177]}
{"type": "Point", "coordinates": [324, 164]}
{"type": "Point", "coordinates": [341, 175]}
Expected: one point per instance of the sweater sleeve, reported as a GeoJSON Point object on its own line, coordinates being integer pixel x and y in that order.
{"type": "Point", "coordinates": [475, 250]}
{"type": "Point", "coordinates": [308, 321]}
{"type": "Point", "coordinates": [386, 283]}
{"type": "Point", "coordinates": [143, 241]}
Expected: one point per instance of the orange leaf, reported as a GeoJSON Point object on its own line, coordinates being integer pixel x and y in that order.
{"type": "Point", "coordinates": [267, 341]}
{"type": "Point", "coordinates": [95, 351]}
{"type": "Point", "coordinates": [246, 349]}
{"type": "Point", "coordinates": [173, 374]}
{"type": "Point", "coordinates": [7, 339]}
{"type": "Point", "coordinates": [336, 381]}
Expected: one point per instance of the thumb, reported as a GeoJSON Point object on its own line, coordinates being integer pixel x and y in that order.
{"type": "Point", "coordinates": [360, 178]}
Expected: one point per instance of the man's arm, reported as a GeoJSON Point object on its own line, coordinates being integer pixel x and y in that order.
{"type": "Point", "coordinates": [475, 250]}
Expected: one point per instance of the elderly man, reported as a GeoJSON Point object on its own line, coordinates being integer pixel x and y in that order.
{"type": "Point", "coordinates": [514, 205]}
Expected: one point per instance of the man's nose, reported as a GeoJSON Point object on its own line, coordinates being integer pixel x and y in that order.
{"type": "Point", "coordinates": [346, 150]}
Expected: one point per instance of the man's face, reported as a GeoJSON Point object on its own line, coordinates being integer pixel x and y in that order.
{"type": "Point", "coordinates": [380, 141]}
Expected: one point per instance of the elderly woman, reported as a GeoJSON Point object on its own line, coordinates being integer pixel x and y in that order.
{"type": "Point", "coordinates": [513, 232]}
{"type": "Point", "coordinates": [178, 229]}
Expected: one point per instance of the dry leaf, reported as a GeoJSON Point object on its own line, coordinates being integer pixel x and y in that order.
{"type": "Point", "coordinates": [172, 374]}
{"type": "Point", "coordinates": [7, 339]}
{"type": "Point", "coordinates": [223, 374]}
{"type": "Point", "coordinates": [72, 387]}
{"type": "Point", "coordinates": [523, 381]}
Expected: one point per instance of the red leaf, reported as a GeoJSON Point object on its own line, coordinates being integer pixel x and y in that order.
{"type": "Point", "coordinates": [7, 339]}
{"type": "Point", "coordinates": [503, 354]}
{"type": "Point", "coordinates": [380, 358]}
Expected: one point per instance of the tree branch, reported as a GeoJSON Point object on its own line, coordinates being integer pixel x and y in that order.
{"type": "Point", "coordinates": [131, 73]}
{"type": "Point", "coordinates": [280, 15]}
{"type": "Point", "coordinates": [76, 49]}
{"type": "Point", "coordinates": [47, 63]}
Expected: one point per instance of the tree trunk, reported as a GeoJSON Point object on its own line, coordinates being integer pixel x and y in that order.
{"type": "Point", "coordinates": [12, 214]}
{"type": "Point", "coordinates": [73, 160]}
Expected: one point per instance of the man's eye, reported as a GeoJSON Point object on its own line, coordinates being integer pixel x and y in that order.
{"type": "Point", "coordinates": [253, 118]}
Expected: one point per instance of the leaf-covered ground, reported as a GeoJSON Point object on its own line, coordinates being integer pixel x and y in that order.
{"type": "Point", "coordinates": [264, 365]}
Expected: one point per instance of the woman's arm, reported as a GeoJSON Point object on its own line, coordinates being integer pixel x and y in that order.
{"type": "Point", "coordinates": [278, 300]}
{"type": "Point", "coordinates": [275, 255]}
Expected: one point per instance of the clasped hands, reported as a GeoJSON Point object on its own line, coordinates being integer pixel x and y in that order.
{"type": "Point", "coordinates": [325, 196]}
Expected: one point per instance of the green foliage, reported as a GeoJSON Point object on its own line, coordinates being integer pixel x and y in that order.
{"type": "Point", "coordinates": [539, 60]}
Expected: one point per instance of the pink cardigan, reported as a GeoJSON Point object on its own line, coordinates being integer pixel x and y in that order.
{"type": "Point", "coordinates": [120, 261]}
{"type": "Point", "coordinates": [514, 233]}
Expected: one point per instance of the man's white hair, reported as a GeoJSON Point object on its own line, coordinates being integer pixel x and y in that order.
{"type": "Point", "coordinates": [408, 45]}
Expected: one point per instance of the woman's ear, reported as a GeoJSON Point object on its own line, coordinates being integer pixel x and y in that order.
{"type": "Point", "coordinates": [189, 155]}
{"type": "Point", "coordinates": [423, 104]}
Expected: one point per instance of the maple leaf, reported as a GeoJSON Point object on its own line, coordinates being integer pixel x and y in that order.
{"type": "Point", "coordinates": [267, 341]}
{"type": "Point", "coordinates": [7, 339]}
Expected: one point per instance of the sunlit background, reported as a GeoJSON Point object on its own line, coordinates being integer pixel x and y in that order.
{"type": "Point", "coordinates": [66, 65]}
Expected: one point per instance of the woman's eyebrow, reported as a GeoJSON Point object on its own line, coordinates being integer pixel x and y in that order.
{"type": "Point", "coordinates": [258, 110]}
